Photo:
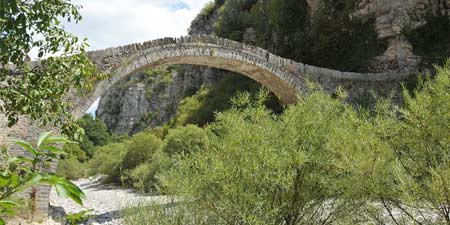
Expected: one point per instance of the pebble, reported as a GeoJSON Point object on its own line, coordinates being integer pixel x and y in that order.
{"type": "Point", "coordinates": [105, 201]}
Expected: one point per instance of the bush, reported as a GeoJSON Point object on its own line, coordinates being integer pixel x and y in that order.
{"type": "Point", "coordinates": [184, 140]}
{"type": "Point", "coordinates": [420, 139]}
{"type": "Point", "coordinates": [108, 160]}
{"type": "Point", "coordinates": [200, 108]}
{"type": "Point", "coordinates": [75, 151]}
{"type": "Point", "coordinates": [145, 176]}
{"type": "Point", "coordinates": [96, 134]}
{"type": "Point", "coordinates": [71, 168]}
{"type": "Point", "coordinates": [271, 169]}
{"type": "Point", "coordinates": [140, 149]}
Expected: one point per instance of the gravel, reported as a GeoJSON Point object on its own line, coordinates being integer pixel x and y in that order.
{"type": "Point", "coordinates": [105, 201]}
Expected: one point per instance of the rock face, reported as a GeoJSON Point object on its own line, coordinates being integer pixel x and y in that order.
{"type": "Point", "coordinates": [130, 107]}
{"type": "Point", "coordinates": [392, 17]}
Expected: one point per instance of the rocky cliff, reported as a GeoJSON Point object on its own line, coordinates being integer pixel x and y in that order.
{"type": "Point", "coordinates": [392, 17]}
{"type": "Point", "coordinates": [139, 102]}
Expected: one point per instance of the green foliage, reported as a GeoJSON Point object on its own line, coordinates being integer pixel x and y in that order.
{"type": "Point", "coordinates": [96, 134]}
{"type": "Point", "coordinates": [184, 140]}
{"type": "Point", "coordinates": [140, 149]}
{"type": "Point", "coordinates": [421, 143]}
{"type": "Point", "coordinates": [107, 160]}
{"type": "Point", "coordinates": [70, 168]}
{"type": "Point", "coordinates": [328, 37]}
{"type": "Point", "coordinates": [39, 90]}
{"type": "Point", "coordinates": [75, 152]}
{"type": "Point", "coordinates": [144, 177]}
{"type": "Point", "coordinates": [339, 41]}
{"type": "Point", "coordinates": [273, 169]}
{"type": "Point", "coordinates": [430, 41]}
{"type": "Point", "coordinates": [22, 172]}
{"type": "Point", "coordinates": [234, 19]}
{"type": "Point", "coordinates": [207, 10]}
{"type": "Point", "coordinates": [200, 108]}
{"type": "Point", "coordinates": [165, 214]}
{"type": "Point", "coordinates": [289, 19]}
{"type": "Point", "coordinates": [133, 162]}
{"type": "Point", "coordinates": [77, 218]}
{"type": "Point", "coordinates": [320, 155]}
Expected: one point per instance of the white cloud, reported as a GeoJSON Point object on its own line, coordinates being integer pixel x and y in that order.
{"type": "Point", "coordinates": [109, 23]}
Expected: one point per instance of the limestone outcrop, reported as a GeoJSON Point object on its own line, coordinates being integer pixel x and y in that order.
{"type": "Point", "coordinates": [392, 16]}
{"type": "Point", "coordinates": [132, 106]}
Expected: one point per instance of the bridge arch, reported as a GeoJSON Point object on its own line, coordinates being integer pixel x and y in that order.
{"type": "Point", "coordinates": [256, 63]}
{"type": "Point", "coordinates": [284, 77]}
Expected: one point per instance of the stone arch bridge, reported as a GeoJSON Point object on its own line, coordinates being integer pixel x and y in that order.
{"type": "Point", "coordinates": [284, 77]}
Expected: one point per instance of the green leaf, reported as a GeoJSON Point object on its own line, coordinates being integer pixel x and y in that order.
{"type": "Point", "coordinates": [26, 146]}
{"type": "Point", "coordinates": [52, 149]}
{"type": "Point", "coordinates": [20, 159]}
{"type": "Point", "coordinates": [61, 190]}
{"type": "Point", "coordinates": [2, 222]}
{"type": "Point", "coordinates": [43, 137]}
{"type": "Point", "coordinates": [8, 204]}
{"type": "Point", "coordinates": [36, 178]}
{"type": "Point", "coordinates": [57, 139]}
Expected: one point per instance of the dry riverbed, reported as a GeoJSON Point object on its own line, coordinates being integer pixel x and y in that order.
{"type": "Point", "coordinates": [105, 201]}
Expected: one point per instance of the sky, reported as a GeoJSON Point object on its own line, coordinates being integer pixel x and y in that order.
{"type": "Point", "coordinates": [111, 23]}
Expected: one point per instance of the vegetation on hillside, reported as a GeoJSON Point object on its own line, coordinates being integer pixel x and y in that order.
{"type": "Point", "coordinates": [430, 41]}
{"type": "Point", "coordinates": [328, 37]}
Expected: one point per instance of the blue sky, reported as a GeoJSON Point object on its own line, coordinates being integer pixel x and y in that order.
{"type": "Point", "coordinates": [110, 23]}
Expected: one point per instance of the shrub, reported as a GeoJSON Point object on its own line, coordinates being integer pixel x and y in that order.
{"type": "Point", "coordinates": [419, 136]}
{"type": "Point", "coordinates": [96, 134]}
{"type": "Point", "coordinates": [184, 140]}
{"type": "Point", "coordinates": [107, 160]}
{"type": "Point", "coordinates": [140, 149]}
{"type": "Point", "coordinates": [200, 108]}
{"type": "Point", "coordinates": [71, 168]}
{"type": "Point", "coordinates": [75, 151]}
{"type": "Point", "coordinates": [273, 169]}
{"type": "Point", "coordinates": [145, 176]}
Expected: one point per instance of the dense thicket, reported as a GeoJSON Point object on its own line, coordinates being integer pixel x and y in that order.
{"type": "Point", "coordinates": [320, 162]}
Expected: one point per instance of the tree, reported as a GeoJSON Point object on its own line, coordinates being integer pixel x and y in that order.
{"type": "Point", "coordinates": [419, 138]}
{"type": "Point", "coordinates": [38, 89]}
{"type": "Point", "coordinates": [20, 173]}
{"type": "Point", "coordinates": [95, 134]}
